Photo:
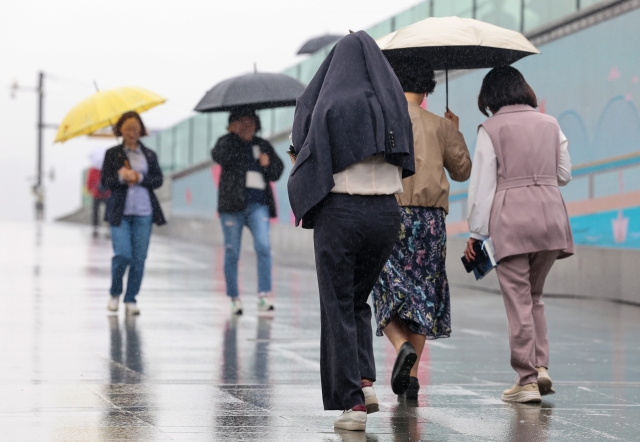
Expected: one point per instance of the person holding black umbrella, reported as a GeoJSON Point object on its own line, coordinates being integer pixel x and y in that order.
{"type": "Point", "coordinates": [353, 141]}
{"type": "Point", "coordinates": [249, 165]}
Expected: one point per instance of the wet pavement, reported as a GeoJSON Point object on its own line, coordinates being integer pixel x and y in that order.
{"type": "Point", "coordinates": [186, 371]}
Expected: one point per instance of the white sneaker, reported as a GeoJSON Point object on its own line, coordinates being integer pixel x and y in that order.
{"type": "Point", "coordinates": [112, 305]}
{"type": "Point", "coordinates": [131, 308]}
{"type": "Point", "coordinates": [523, 394]}
{"type": "Point", "coordinates": [354, 419]}
{"type": "Point", "coordinates": [370, 398]}
{"type": "Point", "coordinates": [264, 305]}
{"type": "Point", "coordinates": [236, 306]}
{"type": "Point", "coordinates": [545, 385]}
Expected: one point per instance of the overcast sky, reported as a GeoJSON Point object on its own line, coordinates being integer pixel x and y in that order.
{"type": "Point", "coordinates": [177, 49]}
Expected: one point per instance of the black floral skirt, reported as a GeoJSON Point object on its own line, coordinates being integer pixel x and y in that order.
{"type": "Point", "coordinates": [413, 284]}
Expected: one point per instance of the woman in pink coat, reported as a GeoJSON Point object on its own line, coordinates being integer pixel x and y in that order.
{"type": "Point", "coordinates": [521, 158]}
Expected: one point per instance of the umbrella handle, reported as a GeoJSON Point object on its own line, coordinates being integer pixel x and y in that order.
{"type": "Point", "coordinates": [446, 75]}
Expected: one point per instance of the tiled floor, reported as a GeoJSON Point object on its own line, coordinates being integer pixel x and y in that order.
{"type": "Point", "coordinates": [186, 371]}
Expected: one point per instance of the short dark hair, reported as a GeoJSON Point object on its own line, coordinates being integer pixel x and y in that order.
{"type": "Point", "coordinates": [240, 113]}
{"type": "Point", "coordinates": [117, 129]}
{"type": "Point", "coordinates": [504, 86]}
{"type": "Point", "coordinates": [419, 80]}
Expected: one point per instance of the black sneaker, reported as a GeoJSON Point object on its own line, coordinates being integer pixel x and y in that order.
{"type": "Point", "coordinates": [404, 361]}
{"type": "Point", "coordinates": [414, 387]}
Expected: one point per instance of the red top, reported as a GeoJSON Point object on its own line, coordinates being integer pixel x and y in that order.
{"type": "Point", "coordinates": [93, 184]}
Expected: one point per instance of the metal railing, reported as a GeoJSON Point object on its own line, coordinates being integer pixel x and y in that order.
{"type": "Point", "coordinates": [189, 142]}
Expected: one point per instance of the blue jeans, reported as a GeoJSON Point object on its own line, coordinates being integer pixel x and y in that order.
{"type": "Point", "coordinates": [256, 218]}
{"type": "Point", "coordinates": [130, 244]}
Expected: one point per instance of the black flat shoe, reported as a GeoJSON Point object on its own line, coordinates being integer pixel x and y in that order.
{"type": "Point", "coordinates": [414, 387]}
{"type": "Point", "coordinates": [400, 378]}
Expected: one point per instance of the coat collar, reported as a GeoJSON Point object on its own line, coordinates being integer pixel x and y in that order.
{"type": "Point", "coordinates": [236, 139]}
{"type": "Point", "coordinates": [143, 148]}
{"type": "Point", "coordinates": [515, 108]}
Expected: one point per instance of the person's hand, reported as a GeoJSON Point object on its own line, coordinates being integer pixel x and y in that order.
{"type": "Point", "coordinates": [264, 160]}
{"type": "Point", "coordinates": [468, 252]}
{"type": "Point", "coordinates": [134, 178]}
{"type": "Point", "coordinates": [453, 118]}
{"type": "Point", "coordinates": [123, 172]}
{"type": "Point", "coordinates": [129, 176]}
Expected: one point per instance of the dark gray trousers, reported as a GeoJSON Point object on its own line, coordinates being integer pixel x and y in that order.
{"type": "Point", "coordinates": [353, 238]}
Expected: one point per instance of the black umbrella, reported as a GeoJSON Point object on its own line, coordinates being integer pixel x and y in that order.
{"type": "Point", "coordinates": [259, 90]}
{"type": "Point", "coordinates": [455, 43]}
{"type": "Point", "coordinates": [317, 43]}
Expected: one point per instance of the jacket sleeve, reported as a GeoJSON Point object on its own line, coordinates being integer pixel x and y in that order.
{"type": "Point", "coordinates": [564, 163]}
{"type": "Point", "coordinates": [482, 187]}
{"type": "Point", "coordinates": [110, 179]}
{"type": "Point", "coordinates": [457, 159]}
{"type": "Point", "coordinates": [273, 171]}
{"type": "Point", "coordinates": [301, 124]}
{"type": "Point", "coordinates": [225, 153]}
{"type": "Point", "coordinates": [153, 178]}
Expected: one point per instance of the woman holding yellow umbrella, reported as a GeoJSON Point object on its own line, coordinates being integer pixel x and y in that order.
{"type": "Point", "coordinates": [131, 172]}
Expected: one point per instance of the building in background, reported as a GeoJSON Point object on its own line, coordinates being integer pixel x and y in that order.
{"type": "Point", "coordinates": [587, 76]}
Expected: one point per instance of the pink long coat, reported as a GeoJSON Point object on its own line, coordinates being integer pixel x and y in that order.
{"type": "Point", "coordinates": [528, 213]}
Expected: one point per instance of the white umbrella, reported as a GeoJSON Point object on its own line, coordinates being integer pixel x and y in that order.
{"type": "Point", "coordinates": [455, 43]}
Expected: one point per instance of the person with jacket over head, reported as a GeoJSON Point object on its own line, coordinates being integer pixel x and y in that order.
{"type": "Point", "coordinates": [353, 141]}
{"type": "Point", "coordinates": [520, 160]}
{"type": "Point", "coordinates": [411, 298]}
{"type": "Point", "coordinates": [131, 172]}
{"type": "Point", "coordinates": [249, 166]}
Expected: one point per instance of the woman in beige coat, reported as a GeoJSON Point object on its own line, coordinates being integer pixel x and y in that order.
{"type": "Point", "coordinates": [411, 297]}
{"type": "Point", "coordinates": [520, 160]}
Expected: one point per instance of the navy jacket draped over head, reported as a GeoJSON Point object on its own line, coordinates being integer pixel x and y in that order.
{"type": "Point", "coordinates": [353, 108]}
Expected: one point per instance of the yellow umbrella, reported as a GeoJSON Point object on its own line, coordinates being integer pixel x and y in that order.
{"type": "Point", "coordinates": [103, 110]}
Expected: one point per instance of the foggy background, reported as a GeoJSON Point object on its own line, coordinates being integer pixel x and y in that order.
{"type": "Point", "coordinates": [176, 49]}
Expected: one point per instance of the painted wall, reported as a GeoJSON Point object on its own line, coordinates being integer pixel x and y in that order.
{"type": "Point", "coordinates": [589, 80]}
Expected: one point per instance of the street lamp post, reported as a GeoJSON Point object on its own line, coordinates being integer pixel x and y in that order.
{"type": "Point", "coordinates": [38, 187]}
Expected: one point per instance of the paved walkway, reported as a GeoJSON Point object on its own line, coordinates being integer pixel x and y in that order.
{"type": "Point", "coordinates": [186, 371]}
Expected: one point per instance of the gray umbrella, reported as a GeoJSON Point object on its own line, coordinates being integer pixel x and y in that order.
{"type": "Point", "coordinates": [257, 91]}
{"type": "Point", "coordinates": [317, 43]}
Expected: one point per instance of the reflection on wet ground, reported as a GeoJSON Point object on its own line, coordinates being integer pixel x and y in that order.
{"type": "Point", "coordinates": [185, 370]}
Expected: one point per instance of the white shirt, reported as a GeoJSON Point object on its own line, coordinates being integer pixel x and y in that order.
{"type": "Point", "coordinates": [371, 176]}
{"type": "Point", "coordinates": [484, 180]}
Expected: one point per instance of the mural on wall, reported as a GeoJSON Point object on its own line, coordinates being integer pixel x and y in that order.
{"type": "Point", "coordinates": [589, 80]}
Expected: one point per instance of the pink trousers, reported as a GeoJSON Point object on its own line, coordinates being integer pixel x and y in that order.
{"type": "Point", "coordinates": [521, 279]}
